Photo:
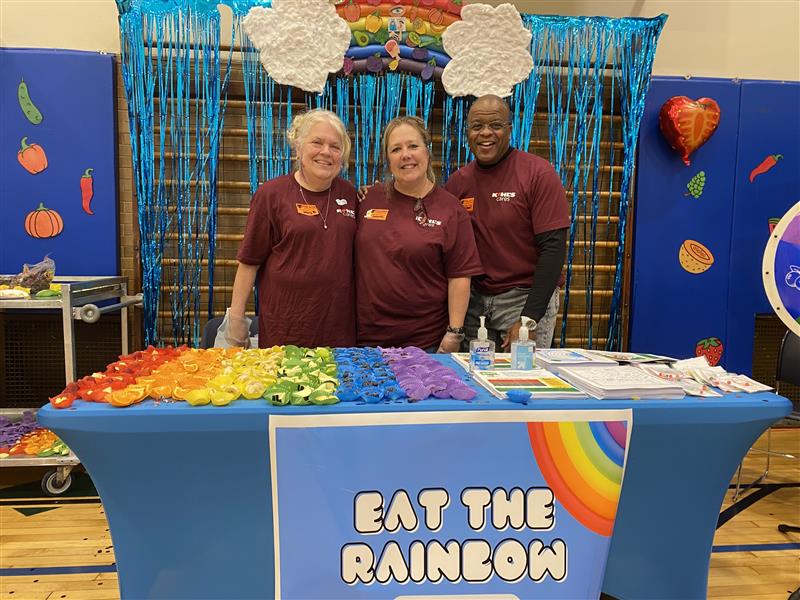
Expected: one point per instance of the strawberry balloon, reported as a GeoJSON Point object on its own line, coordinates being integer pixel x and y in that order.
{"type": "Point", "coordinates": [688, 124]}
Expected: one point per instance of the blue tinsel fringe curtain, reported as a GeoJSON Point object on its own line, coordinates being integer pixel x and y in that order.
{"type": "Point", "coordinates": [595, 72]}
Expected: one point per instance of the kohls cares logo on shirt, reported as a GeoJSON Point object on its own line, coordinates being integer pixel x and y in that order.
{"type": "Point", "coordinates": [504, 196]}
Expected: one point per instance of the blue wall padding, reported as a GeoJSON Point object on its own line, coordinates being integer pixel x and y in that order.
{"type": "Point", "coordinates": [74, 91]}
{"type": "Point", "coordinates": [769, 124]}
{"type": "Point", "coordinates": [672, 309]}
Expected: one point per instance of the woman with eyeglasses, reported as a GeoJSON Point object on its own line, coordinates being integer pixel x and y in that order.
{"type": "Point", "coordinates": [415, 251]}
{"type": "Point", "coordinates": [298, 242]}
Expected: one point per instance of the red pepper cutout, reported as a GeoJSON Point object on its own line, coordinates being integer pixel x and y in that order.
{"type": "Point", "coordinates": [765, 166]}
{"type": "Point", "coordinates": [32, 157]}
{"type": "Point", "coordinates": [87, 190]}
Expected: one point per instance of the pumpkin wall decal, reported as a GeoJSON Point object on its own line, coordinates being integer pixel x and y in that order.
{"type": "Point", "coordinates": [43, 223]}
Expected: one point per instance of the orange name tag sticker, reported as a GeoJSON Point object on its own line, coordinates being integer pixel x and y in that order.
{"type": "Point", "coordinates": [377, 214]}
{"type": "Point", "coordinates": [468, 203]}
{"type": "Point", "coordinates": [309, 210]}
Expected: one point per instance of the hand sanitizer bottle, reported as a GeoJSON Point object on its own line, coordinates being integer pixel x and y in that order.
{"type": "Point", "coordinates": [481, 350]}
{"type": "Point", "coordinates": [522, 350]}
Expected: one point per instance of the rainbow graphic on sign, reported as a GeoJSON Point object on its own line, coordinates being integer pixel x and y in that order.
{"type": "Point", "coordinates": [583, 462]}
{"type": "Point", "coordinates": [398, 35]}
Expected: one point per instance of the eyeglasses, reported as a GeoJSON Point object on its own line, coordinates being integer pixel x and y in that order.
{"type": "Point", "coordinates": [494, 126]}
{"type": "Point", "coordinates": [420, 214]}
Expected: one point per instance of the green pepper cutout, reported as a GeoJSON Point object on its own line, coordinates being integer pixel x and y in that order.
{"type": "Point", "coordinates": [26, 104]}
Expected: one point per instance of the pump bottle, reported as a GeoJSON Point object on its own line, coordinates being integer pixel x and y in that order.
{"type": "Point", "coordinates": [481, 350]}
{"type": "Point", "coordinates": [523, 349]}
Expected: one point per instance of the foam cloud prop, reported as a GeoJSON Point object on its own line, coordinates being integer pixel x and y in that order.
{"type": "Point", "coordinates": [490, 51]}
{"type": "Point", "coordinates": [299, 41]}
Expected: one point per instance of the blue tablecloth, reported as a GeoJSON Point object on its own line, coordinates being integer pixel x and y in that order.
{"type": "Point", "coordinates": [187, 491]}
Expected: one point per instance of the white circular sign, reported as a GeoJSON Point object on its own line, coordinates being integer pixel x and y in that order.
{"type": "Point", "coordinates": [781, 269]}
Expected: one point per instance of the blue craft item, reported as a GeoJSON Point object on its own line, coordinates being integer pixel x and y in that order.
{"type": "Point", "coordinates": [372, 394]}
{"type": "Point", "coordinates": [347, 394]}
{"type": "Point", "coordinates": [519, 396]}
{"type": "Point", "coordinates": [576, 54]}
{"type": "Point", "coordinates": [636, 46]}
{"type": "Point", "coordinates": [171, 51]}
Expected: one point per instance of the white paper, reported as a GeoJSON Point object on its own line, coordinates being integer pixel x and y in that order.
{"type": "Point", "coordinates": [299, 41]}
{"type": "Point", "coordinates": [490, 51]}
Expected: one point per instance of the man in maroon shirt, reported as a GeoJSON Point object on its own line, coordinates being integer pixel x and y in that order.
{"type": "Point", "coordinates": [520, 217]}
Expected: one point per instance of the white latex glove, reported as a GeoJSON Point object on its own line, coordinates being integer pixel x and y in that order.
{"type": "Point", "coordinates": [238, 331]}
{"type": "Point", "coordinates": [451, 342]}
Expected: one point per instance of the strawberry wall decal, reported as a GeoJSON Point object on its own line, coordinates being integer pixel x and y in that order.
{"type": "Point", "coordinates": [688, 124]}
{"type": "Point", "coordinates": [711, 348]}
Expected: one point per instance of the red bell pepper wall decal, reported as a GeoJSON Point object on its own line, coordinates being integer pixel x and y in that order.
{"type": "Point", "coordinates": [688, 124]}
{"type": "Point", "coordinates": [32, 157]}
{"type": "Point", "coordinates": [87, 191]}
{"type": "Point", "coordinates": [765, 165]}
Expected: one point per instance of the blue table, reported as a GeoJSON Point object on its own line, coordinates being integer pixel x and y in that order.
{"type": "Point", "coordinates": [187, 491]}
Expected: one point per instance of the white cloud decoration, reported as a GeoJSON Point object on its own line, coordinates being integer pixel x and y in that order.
{"type": "Point", "coordinates": [490, 51]}
{"type": "Point", "coordinates": [300, 41]}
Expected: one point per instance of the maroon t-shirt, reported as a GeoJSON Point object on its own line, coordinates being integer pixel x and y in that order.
{"type": "Point", "coordinates": [403, 263]}
{"type": "Point", "coordinates": [305, 283]}
{"type": "Point", "coordinates": [510, 203]}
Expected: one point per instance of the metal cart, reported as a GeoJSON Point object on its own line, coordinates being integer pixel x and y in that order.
{"type": "Point", "coordinates": [79, 296]}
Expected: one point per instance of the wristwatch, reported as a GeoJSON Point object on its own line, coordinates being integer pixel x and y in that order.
{"type": "Point", "coordinates": [456, 330]}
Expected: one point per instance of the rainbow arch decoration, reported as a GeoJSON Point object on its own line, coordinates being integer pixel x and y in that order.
{"type": "Point", "coordinates": [398, 35]}
{"type": "Point", "coordinates": [583, 463]}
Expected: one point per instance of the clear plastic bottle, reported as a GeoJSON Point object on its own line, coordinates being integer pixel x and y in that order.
{"type": "Point", "coordinates": [481, 350]}
{"type": "Point", "coordinates": [523, 349]}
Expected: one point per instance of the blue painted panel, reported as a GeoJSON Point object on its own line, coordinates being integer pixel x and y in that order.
{"type": "Point", "coordinates": [74, 91]}
{"type": "Point", "coordinates": [769, 124]}
{"type": "Point", "coordinates": [671, 308]}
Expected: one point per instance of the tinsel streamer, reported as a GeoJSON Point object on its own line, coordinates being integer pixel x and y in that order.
{"type": "Point", "coordinates": [342, 108]}
{"type": "Point", "coordinates": [138, 82]}
{"type": "Point", "coordinates": [635, 46]}
{"type": "Point", "coordinates": [364, 92]}
{"type": "Point", "coordinates": [447, 136]}
{"type": "Point", "coordinates": [173, 56]}
{"type": "Point", "coordinates": [527, 93]}
{"type": "Point", "coordinates": [581, 58]}
{"type": "Point", "coordinates": [374, 157]}
{"type": "Point", "coordinates": [462, 143]}
{"type": "Point", "coordinates": [593, 165]}
{"type": "Point", "coordinates": [575, 54]}
{"type": "Point", "coordinates": [288, 152]}
{"type": "Point", "coordinates": [428, 93]}
{"type": "Point", "coordinates": [413, 91]}
{"type": "Point", "coordinates": [391, 100]}
{"type": "Point", "coordinates": [252, 80]}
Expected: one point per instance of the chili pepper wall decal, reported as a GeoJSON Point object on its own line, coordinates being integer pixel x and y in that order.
{"type": "Point", "coordinates": [31, 157]}
{"type": "Point", "coordinates": [26, 104]}
{"type": "Point", "coordinates": [87, 191]}
{"type": "Point", "coordinates": [765, 165]}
